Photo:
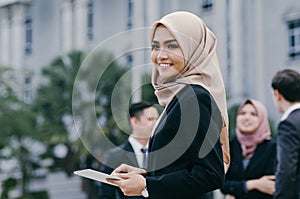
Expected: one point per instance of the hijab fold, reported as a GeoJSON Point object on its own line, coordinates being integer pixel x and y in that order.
{"type": "Point", "coordinates": [198, 45]}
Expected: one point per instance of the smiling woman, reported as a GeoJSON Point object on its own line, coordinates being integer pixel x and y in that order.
{"type": "Point", "coordinates": [253, 154]}
{"type": "Point", "coordinates": [189, 144]}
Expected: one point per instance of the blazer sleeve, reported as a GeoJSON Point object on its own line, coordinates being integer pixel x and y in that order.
{"type": "Point", "coordinates": [288, 147]}
{"type": "Point", "coordinates": [203, 173]}
{"type": "Point", "coordinates": [234, 185]}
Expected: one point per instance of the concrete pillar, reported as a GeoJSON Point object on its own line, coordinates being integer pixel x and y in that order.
{"type": "Point", "coordinates": [80, 24]}
{"type": "Point", "coordinates": [138, 40]}
{"type": "Point", "coordinates": [153, 8]}
{"type": "Point", "coordinates": [236, 41]}
{"type": "Point", "coordinates": [174, 5]}
{"type": "Point", "coordinates": [4, 36]}
{"type": "Point", "coordinates": [220, 29]}
{"type": "Point", "coordinates": [18, 13]}
{"type": "Point", "coordinates": [67, 29]}
{"type": "Point", "coordinates": [259, 50]}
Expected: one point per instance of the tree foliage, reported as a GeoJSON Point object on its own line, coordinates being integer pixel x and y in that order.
{"type": "Point", "coordinates": [53, 103]}
{"type": "Point", "coordinates": [18, 135]}
{"type": "Point", "coordinates": [53, 99]}
{"type": "Point", "coordinates": [56, 101]}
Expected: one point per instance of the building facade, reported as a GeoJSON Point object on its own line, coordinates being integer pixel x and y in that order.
{"type": "Point", "coordinates": [255, 38]}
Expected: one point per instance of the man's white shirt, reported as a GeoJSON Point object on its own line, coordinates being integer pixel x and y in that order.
{"type": "Point", "coordinates": [289, 111]}
{"type": "Point", "coordinates": [137, 150]}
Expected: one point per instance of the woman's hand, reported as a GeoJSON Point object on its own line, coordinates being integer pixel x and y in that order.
{"type": "Point", "coordinates": [265, 184]}
{"type": "Point", "coordinates": [131, 184]}
{"type": "Point", "coordinates": [124, 168]}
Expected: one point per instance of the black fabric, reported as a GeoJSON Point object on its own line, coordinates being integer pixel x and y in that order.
{"type": "Point", "coordinates": [288, 147]}
{"type": "Point", "coordinates": [262, 163]}
{"type": "Point", "coordinates": [193, 171]}
{"type": "Point", "coordinates": [114, 158]}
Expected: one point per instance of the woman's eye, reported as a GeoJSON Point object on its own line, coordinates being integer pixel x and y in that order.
{"type": "Point", "coordinates": [253, 114]}
{"type": "Point", "coordinates": [172, 46]}
{"type": "Point", "coordinates": [242, 113]}
{"type": "Point", "coordinates": [155, 46]}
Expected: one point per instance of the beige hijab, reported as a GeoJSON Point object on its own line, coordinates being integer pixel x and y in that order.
{"type": "Point", "coordinates": [198, 45]}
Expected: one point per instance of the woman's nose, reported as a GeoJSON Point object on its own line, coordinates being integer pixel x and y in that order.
{"type": "Point", "coordinates": [162, 54]}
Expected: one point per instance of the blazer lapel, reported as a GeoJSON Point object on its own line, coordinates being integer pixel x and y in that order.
{"type": "Point", "coordinates": [130, 157]}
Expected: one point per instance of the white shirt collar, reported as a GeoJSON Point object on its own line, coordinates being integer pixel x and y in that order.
{"type": "Point", "coordinates": [289, 110]}
{"type": "Point", "coordinates": [135, 144]}
{"type": "Point", "coordinates": [137, 149]}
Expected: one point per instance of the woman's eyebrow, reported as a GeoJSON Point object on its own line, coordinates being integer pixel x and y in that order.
{"type": "Point", "coordinates": [166, 42]}
{"type": "Point", "coordinates": [170, 41]}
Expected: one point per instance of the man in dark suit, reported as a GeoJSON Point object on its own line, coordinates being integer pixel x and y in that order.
{"type": "Point", "coordinates": [134, 151]}
{"type": "Point", "coordinates": [286, 95]}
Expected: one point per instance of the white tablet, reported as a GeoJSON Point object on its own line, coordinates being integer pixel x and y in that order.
{"type": "Point", "coordinates": [96, 175]}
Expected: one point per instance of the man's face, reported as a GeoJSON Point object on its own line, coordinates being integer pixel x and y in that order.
{"type": "Point", "coordinates": [143, 126]}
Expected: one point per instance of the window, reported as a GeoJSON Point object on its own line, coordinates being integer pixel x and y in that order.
{"type": "Point", "coordinates": [294, 38]}
{"type": "Point", "coordinates": [27, 90]}
{"type": "Point", "coordinates": [90, 22]}
{"type": "Point", "coordinates": [28, 36]}
{"type": "Point", "coordinates": [129, 59]}
{"type": "Point", "coordinates": [207, 4]}
{"type": "Point", "coordinates": [130, 14]}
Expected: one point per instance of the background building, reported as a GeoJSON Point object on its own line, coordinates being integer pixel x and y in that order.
{"type": "Point", "coordinates": [255, 38]}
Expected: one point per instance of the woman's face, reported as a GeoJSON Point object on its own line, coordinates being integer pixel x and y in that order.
{"type": "Point", "coordinates": [247, 119]}
{"type": "Point", "coordinates": [166, 53]}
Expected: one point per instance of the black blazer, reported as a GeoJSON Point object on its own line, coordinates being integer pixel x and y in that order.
{"type": "Point", "coordinates": [114, 158]}
{"type": "Point", "coordinates": [288, 157]}
{"type": "Point", "coordinates": [263, 162]}
{"type": "Point", "coordinates": [183, 162]}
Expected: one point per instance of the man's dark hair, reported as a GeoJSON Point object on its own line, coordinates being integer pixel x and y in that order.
{"type": "Point", "coordinates": [287, 82]}
{"type": "Point", "coordinates": [136, 109]}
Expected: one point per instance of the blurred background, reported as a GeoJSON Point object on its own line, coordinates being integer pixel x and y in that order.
{"type": "Point", "coordinates": [44, 42]}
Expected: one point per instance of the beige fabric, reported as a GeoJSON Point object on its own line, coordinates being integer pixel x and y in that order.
{"type": "Point", "coordinates": [198, 45]}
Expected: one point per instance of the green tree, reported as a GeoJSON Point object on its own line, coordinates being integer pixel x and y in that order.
{"type": "Point", "coordinates": [56, 100]}
{"type": "Point", "coordinates": [18, 135]}
{"type": "Point", "coordinates": [59, 96]}
{"type": "Point", "coordinates": [54, 106]}
{"type": "Point", "coordinates": [102, 85]}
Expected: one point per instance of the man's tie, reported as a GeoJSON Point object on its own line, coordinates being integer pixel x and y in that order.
{"type": "Point", "coordinates": [145, 159]}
